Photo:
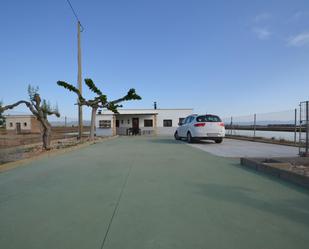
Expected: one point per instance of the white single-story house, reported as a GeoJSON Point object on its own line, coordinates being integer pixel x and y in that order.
{"type": "Point", "coordinates": [22, 124]}
{"type": "Point", "coordinates": [142, 121]}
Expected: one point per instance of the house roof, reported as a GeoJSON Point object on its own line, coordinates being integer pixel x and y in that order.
{"type": "Point", "coordinates": [141, 111]}
{"type": "Point", "coordinates": [131, 112]}
{"type": "Point", "coordinates": [19, 116]}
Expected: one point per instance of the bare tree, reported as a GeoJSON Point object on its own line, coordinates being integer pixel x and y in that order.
{"type": "Point", "coordinates": [100, 101]}
{"type": "Point", "coordinates": [41, 109]}
{"type": "Point", "coordinates": [2, 118]}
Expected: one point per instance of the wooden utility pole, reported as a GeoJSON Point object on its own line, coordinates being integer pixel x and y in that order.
{"type": "Point", "coordinates": [79, 83]}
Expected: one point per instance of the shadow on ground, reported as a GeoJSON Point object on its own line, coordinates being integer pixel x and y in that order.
{"type": "Point", "coordinates": [296, 210]}
{"type": "Point", "coordinates": [173, 141]}
{"type": "Point", "coordinates": [204, 142]}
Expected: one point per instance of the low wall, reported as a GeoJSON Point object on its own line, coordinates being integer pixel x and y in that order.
{"type": "Point", "coordinates": [259, 164]}
{"type": "Point", "coordinates": [104, 132]}
{"type": "Point", "coordinates": [166, 131]}
{"type": "Point", "coordinates": [11, 139]}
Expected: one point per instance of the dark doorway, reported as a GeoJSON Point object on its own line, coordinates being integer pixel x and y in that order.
{"type": "Point", "coordinates": [117, 123]}
{"type": "Point", "coordinates": [18, 128]}
{"type": "Point", "coordinates": [135, 123]}
{"type": "Point", "coordinates": [135, 126]}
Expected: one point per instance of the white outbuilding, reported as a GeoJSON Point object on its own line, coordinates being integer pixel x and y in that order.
{"type": "Point", "coordinates": [140, 121]}
{"type": "Point", "coordinates": [22, 124]}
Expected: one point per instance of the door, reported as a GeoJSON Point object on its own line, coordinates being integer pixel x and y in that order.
{"type": "Point", "coordinates": [135, 126]}
{"type": "Point", "coordinates": [182, 128]}
{"type": "Point", "coordinates": [18, 128]}
{"type": "Point", "coordinates": [135, 123]}
{"type": "Point", "coordinates": [187, 126]}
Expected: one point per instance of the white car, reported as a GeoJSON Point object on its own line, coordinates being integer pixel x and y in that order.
{"type": "Point", "coordinates": [200, 127]}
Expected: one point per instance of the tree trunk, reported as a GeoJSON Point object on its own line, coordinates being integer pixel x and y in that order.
{"type": "Point", "coordinates": [40, 115]}
{"type": "Point", "coordinates": [92, 126]}
{"type": "Point", "coordinates": [46, 137]}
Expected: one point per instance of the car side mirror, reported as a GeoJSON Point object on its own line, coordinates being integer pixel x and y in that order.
{"type": "Point", "coordinates": [179, 124]}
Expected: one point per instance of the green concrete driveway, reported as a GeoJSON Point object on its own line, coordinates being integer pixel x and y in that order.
{"type": "Point", "coordinates": [148, 193]}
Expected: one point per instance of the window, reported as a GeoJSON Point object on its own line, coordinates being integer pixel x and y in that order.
{"type": "Point", "coordinates": [105, 124]}
{"type": "Point", "coordinates": [208, 118]}
{"type": "Point", "coordinates": [11, 124]}
{"type": "Point", "coordinates": [25, 124]}
{"type": "Point", "coordinates": [128, 121]}
{"type": "Point", "coordinates": [148, 123]}
{"type": "Point", "coordinates": [167, 123]}
{"type": "Point", "coordinates": [122, 121]}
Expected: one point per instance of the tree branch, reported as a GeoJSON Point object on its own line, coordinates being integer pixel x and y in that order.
{"type": "Point", "coordinates": [28, 104]}
{"type": "Point", "coordinates": [72, 89]}
{"type": "Point", "coordinates": [93, 87]}
{"type": "Point", "coordinates": [131, 95]}
{"type": "Point", "coordinates": [56, 113]}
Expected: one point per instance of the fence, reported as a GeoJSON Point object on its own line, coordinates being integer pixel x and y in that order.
{"type": "Point", "coordinates": [12, 135]}
{"type": "Point", "coordinates": [282, 125]}
{"type": "Point", "coordinates": [304, 128]}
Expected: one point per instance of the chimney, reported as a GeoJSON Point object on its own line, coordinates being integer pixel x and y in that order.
{"type": "Point", "coordinates": [155, 105]}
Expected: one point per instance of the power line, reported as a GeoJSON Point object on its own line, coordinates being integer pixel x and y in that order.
{"type": "Point", "coordinates": [75, 14]}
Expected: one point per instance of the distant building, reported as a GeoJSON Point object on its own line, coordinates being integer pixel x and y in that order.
{"type": "Point", "coordinates": [22, 124]}
{"type": "Point", "coordinates": [143, 121]}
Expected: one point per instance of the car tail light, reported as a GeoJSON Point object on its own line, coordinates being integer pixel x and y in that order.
{"type": "Point", "coordinates": [199, 124]}
{"type": "Point", "coordinates": [221, 124]}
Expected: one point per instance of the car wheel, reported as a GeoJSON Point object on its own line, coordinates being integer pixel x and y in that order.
{"type": "Point", "coordinates": [176, 136]}
{"type": "Point", "coordinates": [189, 138]}
{"type": "Point", "coordinates": [218, 140]}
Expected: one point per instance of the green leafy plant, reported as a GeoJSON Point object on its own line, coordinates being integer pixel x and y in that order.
{"type": "Point", "coordinates": [99, 101]}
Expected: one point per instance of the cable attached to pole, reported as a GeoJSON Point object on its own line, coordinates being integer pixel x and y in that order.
{"type": "Point", "coordinates": [75, 14]}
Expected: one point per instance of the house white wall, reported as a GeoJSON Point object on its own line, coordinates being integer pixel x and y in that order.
{"type": "Point", "coordinates": [104, 131]}
{"type": "Point", "coordinates": [170, 114]}
{"type": "Point", "coordinates": [25, 122]}
{"type": "Point", "coordinates": [158, 116]}
{"type": "Point", "coordinates": [125, 122]}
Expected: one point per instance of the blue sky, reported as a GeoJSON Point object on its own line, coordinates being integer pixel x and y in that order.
{"type": "Point", "coordinates": [224, 57]}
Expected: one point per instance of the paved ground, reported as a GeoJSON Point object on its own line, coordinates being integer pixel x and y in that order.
{"type": "Point", "coordinates": [141, 193]}
{"type": "Point", "coordinates": [240, 148]}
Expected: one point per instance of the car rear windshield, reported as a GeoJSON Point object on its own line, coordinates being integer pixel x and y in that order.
{"type": "Point", "coordinates": [208, 118]}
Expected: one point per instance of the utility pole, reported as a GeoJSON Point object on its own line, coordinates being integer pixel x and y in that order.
{"type": "Point", "coordinates": [79, 74]}
{"type": "Point", "coordinates": [79, 83]}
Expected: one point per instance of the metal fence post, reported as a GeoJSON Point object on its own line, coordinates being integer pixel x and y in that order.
{"type": "Point", "coordinates": [307, 127]}
{"type": "Point", "coordinates": [295, 125]}
{"type": "Point", "coordinates": [300, 129]}
{"type": "Point", "coordinates": [254, 125]}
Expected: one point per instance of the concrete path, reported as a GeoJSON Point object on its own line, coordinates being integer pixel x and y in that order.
{"type": "Point", "coordinates": [241, 148]}
{"type": "Point", "coordinates": [141, 193]}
